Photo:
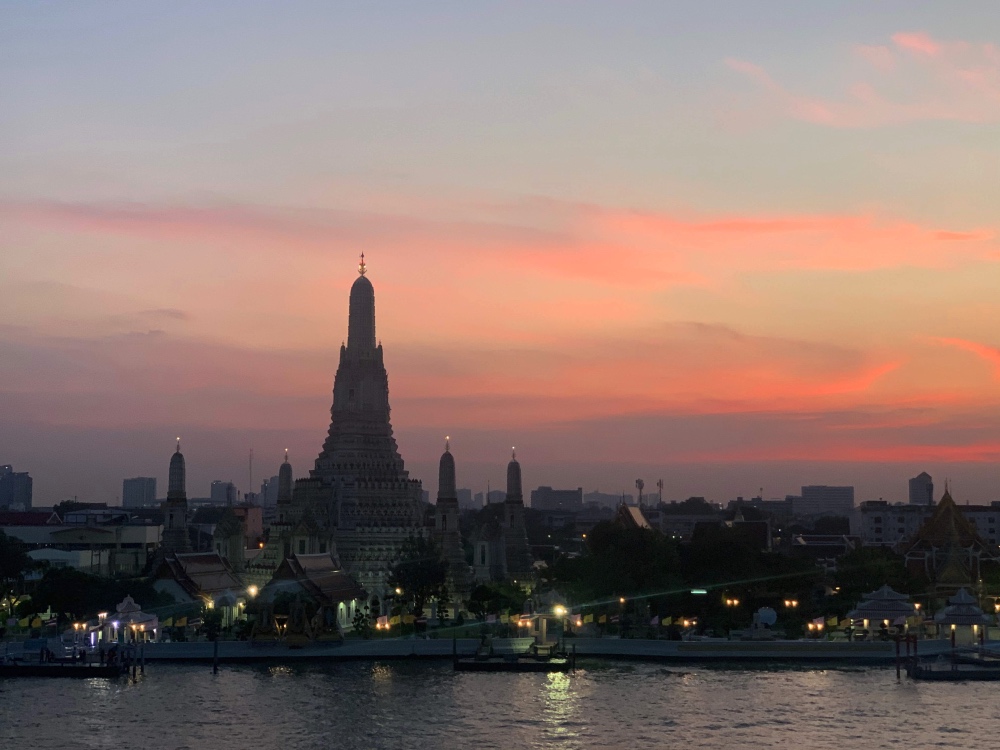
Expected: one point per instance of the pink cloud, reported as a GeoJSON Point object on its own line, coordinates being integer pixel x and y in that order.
{"type": "Point", "coordinates": [921, 78]}
{"type": "Point", "coordinates": [917, 42]}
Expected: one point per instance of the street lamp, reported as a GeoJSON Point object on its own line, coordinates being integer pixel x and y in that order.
{"type": "Point", "coordinates": [252, 590]}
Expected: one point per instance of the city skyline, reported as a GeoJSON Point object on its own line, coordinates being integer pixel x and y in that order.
{"type": "Point", "coordinates": [665, 244]}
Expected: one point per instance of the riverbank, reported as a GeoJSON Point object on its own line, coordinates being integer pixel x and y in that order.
{"type": "Point", "coordinates": [721, 651]}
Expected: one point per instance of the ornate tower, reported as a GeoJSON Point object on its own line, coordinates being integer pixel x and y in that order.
{"type": "Point", "coordinates": [518, 553]}
{"type": "Point", "coordinates": [359, 486]}
{"type": "Point", "coordinates": [447, 530]}
{"type": "Point", "coordinates": [175, 532]}
{"type": "Point", "coordinates": [285, 482]}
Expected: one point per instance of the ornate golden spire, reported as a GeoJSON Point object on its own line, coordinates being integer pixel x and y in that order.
{"type": "Point", "coordinates": [447, 443]}
{"type": "Point", "coordinates": [361, 266]}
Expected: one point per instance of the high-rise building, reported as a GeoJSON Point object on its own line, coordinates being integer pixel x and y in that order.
{"type": "Point", "coordinates": [546, 498]}
{"type": "Point", "coordinates": [922, 489]}
{"type": "Point", "coordinates": [224, 493]}
{"type": "Point", "coordinates": [15, 488]}
{"type": "Point", "coordinates": [465, 499]}
{"type": "Point", "coordinates": [139, 492]}
{"type": "Point", "coordinates": [359, 487]}
{"type": "Point", "coordinates": [269, 492]}
{"type": "Point", "coordinates": [824, 500]}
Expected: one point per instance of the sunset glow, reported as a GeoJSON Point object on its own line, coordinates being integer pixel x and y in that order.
{"type": "Point", "coordinates": [683, 247]}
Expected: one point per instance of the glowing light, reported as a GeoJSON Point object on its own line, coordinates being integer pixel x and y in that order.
{"type": "Point", "coordinates": [559, 610]}
{"type": "Point", "coordinates": [252, 590]}
{"type": "Point", "coordinates": [621, 600]}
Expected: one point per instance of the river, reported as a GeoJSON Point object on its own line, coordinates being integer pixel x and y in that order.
{"type": "Point", "coordinates": [427, 705]}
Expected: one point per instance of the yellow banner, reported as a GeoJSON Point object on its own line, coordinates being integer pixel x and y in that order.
{"type": "Point", "coordinates": [409, 619]}
{"type": "Point", "coordinates": [181, 622]}
{"type": "Point", "coordinates": [602, 619]}
{"type": "Point", "coordinates": [37, 622]}
{"type": "Point", "coordinates": [667, 621]}
{"type": "Point", "coordinates": [845, 623]}
{"type": "Point", "coordinates": [25, 622]}
{"type": "Point", "coordinates": [831, 622]}
{"type": "Point", "coordinates": [169, 622]}
{"type": "Point", "coordinates": [588, 618]}
{"type": "Point", "coordinates": [504, 618]}
{"type": "Point", "coordinates": [394, 620]}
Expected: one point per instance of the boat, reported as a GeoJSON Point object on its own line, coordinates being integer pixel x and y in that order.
{"type": "Point", "coordinates": [953, 672]}
{"type": "Point", "coordinates": [514, 663]}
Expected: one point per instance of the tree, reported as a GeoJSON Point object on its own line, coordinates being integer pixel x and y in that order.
{"type": "Point", "coordinates": [14, 561]}
{"type": "Point", "coordinates": [868, 568]}
{"type": "Point", "coordinates": [362, 622]}
{"type": "Point", "coordinates": [80, 595]}
{"type": "Point", "coordinates": [420, 574]}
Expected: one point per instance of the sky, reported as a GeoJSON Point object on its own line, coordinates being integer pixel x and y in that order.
{"type": "Point", "coordinates": [739, 247]}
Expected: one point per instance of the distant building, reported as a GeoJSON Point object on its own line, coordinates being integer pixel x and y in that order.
{"type": "Point", "coordinates": [607, 500]}
{"type": "Point", "coordinates": [880, 524]}
{"type": "Point", "coordinates": [824, 500]}
{"type": "Point", "coordinates": [269, 492]}
{"type": "Point", "coordinates": [493, 496]}
{"type": "Point", "coordinates": [922, 489]}
{"type": "Point", "coordinates": [465, 500]}
{"type": "Point", "coordinates": [15, 489]}
{"type": "Point", "coordinates": [223, 493]}
{"type": "Point", "coordinates": [546, 498]}
{"type": "Point", "coordinates": [139, 492]}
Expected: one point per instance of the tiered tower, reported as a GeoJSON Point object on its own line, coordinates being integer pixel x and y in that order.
{"type": "Point", "coordinates": [359, 485]}
{"type": "Point", "coordinates": [518, 553]}
{"type": "Point", "coordinates": [449, 535]}
{"type": "Point", "coordinates": [175, 531]}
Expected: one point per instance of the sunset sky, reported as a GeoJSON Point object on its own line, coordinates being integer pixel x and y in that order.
{"type": "Point", "coordinates": [734, 245]}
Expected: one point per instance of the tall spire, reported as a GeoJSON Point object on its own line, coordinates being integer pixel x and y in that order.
{"type": "Point", "coordinates": [285, 482]}
{"type": "Point", "coordinates": [446, 474]}
{"type": "Point", "coordinates": [361, 317]}
{"type": "Point", "coordinates": [514, 493]}
{"type": "Point", "coordinates": [177, 479]}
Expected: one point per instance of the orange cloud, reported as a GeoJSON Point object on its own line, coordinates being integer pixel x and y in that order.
{"type": "Point", "coordinates": [986, 353]}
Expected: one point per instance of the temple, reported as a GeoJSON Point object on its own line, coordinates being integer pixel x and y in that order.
{"type": "Point", "coordinates": [175, 530]}
{"type": "Point", "coordinates": [447, 531]}
{"type": "Point", "coordinates": [947, 550]}
{"type": "Point", "coordinates": [359, 494]}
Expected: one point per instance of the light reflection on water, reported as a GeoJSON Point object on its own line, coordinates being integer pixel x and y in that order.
{"type": "Point", "coordinates": [416, 705]}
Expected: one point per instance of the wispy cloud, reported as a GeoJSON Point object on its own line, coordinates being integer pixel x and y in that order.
{"type": "Point", "coordinates": [917, 77]}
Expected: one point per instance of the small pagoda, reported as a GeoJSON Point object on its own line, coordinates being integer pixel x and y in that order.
{"type": "Point", "coordinates": [962, 616]}
{"type": "Point", "coordinates": [883, 607]}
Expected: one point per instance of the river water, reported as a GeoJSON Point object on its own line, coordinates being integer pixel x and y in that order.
{"type": "Point", "coordinates": [427, 705]}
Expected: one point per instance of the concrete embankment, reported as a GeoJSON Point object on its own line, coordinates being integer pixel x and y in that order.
{"type": "Point", "coordinates": [872, 652]}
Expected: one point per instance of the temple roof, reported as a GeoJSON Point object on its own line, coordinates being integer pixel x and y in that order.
{"type": "Point", "coordinates": [631, 516]}
{"type": "Point", "coordinates": [200, 574]}
{"type": "Point", "coordinates": [319, 576]}
{"type": "Point", "coordinates": [947, 527]}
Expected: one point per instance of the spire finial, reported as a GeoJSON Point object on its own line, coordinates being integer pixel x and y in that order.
{"type": "Point", "coordinates": [178, 446]}
{"type": "Point", "coordinates": [447, 443]}
{"type": "Point", "coordinates": [361, 266]}
{"type": "Point", "coordinates": [513, 453]}
{"type": "Point", "coordinates": [286, 455]}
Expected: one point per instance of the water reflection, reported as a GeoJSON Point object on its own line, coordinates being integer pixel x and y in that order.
{"type": "Point", "coordinates": [413, 705]}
